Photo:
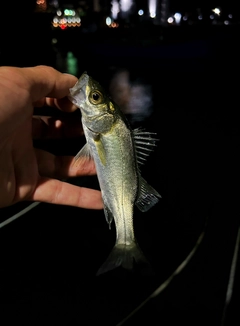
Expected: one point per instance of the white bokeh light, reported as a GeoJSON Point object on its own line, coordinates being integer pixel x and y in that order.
{"type": "Point", "coordinates": [125, 5]}
{"type": "Point", "coordinates": [115, 9]}
{"type": "Point", "coordinates": [152, 7]}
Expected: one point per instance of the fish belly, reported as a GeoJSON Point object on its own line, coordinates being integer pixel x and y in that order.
{"type": "Point", "coordinates": [118, 181]}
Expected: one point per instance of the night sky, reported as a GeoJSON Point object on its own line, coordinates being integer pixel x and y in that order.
{"type": "Point", "coordinates": [188, 4]}
{"type": "Point", "coordinates": [174, 5]}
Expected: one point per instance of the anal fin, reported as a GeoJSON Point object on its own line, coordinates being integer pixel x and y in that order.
{"type": "Point", "coordinates": [147, 197]}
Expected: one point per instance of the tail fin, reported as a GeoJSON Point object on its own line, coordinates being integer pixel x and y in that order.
{"type": "Point", "coordinates": [128, 257]}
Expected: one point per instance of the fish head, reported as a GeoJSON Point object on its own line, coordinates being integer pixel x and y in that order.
{"type": "Point", "coordinates": [97, 109]}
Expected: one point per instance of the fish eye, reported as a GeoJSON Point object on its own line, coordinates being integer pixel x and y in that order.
{"type": "Point", "coordinates": [95, 97]}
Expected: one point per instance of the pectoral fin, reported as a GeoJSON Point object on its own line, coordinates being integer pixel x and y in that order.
{"type": "Point", "coordinates": [147, 197]}
{"type": "Point", "coordinates": [84, 155]}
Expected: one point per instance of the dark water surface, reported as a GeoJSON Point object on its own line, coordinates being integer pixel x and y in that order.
{"type": "Point", "coordinates": [184, 89]}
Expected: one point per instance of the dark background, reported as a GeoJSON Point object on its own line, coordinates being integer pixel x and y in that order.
{"type": "Point", "coordinates": [50, 255]}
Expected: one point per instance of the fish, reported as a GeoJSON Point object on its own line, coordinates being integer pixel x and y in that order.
{"type": "Point", "coordinates": [118, 152]}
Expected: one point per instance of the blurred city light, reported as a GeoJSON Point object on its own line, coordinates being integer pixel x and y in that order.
{"type": "Point", "coordinates": [127, 10]}
{"type": "Point", "coordinates": [177, 17]}
{"type": "Point", "coordinates": [133, 96]}
{"type": "Point", "coordinates": [108, 21]}
{"type": "Point", "coordinates": [217, 11]}
{"type": "Point", "coordinates": [111, 23]}
{"type": "Point", "coordinates": [65, 19]}
{"type": "Point", "coordinates": [152, 6]}
{"type": "Point", "coordinates": [115, 9]}
{"type": "Point", "coordinates": [41, 5]}
{"type": "Point", "coordinates": [125, 5]}
{"type": "Point", "coordinates": [71, 64]}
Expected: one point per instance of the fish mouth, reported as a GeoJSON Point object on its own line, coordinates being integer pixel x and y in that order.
{"type": "Point", "coordinates": [77, 92]}
{"type": "Point", "coordinates": [82, 81]}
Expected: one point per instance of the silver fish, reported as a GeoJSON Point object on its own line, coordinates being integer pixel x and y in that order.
{"type": "Point", "coordinates": [118, 151]}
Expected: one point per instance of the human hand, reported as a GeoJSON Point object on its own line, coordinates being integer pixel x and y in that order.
{"type": "Point", "coordinates": [27, 173]}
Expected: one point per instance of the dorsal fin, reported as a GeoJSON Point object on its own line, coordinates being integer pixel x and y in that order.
{"type": "Point", "coordinates": [144, 144]}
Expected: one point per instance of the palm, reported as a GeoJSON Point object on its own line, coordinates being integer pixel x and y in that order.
{"type": "Point", "coordinates": [27, 173]}
{"type": "Point", "coordinates": [19, 166]}
{"type": "Point", "coordinates": [24, 168]}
